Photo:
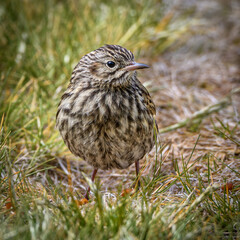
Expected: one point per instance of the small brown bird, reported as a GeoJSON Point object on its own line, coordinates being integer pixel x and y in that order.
{"type": "Point", "coordinates": [106, 116]}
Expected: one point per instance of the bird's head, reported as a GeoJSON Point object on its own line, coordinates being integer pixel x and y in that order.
{"type": "Point", "coordinates": [110, 64]}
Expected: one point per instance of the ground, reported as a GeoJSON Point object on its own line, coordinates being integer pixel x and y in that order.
{"type": "Point", "coordinates": [190, 181]}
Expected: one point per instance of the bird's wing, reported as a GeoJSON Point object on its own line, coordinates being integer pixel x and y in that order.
{"type": "Point", "coordinates": [147, 98]}
{"type": "Point", "coordinates": [149, 102]}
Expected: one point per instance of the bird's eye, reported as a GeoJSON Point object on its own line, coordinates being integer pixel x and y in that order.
{"type": "Point", "coordinates": [110, 64]}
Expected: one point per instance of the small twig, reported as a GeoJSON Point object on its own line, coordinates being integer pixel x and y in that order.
{"type": "Point", "coordinates": [202, 113]}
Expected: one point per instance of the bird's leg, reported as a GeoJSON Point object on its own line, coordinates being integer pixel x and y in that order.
{"type": "Point", "coordinates": [92, 178]}
{"type": "Point", "coordinates": [137, 174]}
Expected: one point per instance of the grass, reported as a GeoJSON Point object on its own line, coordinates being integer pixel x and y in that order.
{"type": "Point", "coordinates": [41, 41]}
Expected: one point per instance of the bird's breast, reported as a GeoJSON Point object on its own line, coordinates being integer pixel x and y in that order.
{"type": "Point", "coordinates": [116, 124]}
{"type": "Point", "coordinates": [122, 108]}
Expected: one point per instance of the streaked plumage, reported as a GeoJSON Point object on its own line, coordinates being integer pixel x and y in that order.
{"type": "Point", "coordinates": [106, 116]}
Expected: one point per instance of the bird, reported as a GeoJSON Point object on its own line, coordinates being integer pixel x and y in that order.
{"type": "Point", "coordinates": [106, 116]}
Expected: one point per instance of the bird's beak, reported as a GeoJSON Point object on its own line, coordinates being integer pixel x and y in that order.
{"type": "Point", "coordinates": [135, 66]}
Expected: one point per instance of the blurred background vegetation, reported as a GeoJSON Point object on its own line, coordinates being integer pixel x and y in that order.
{"type": "Point", "coordinates": [40, 43]}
